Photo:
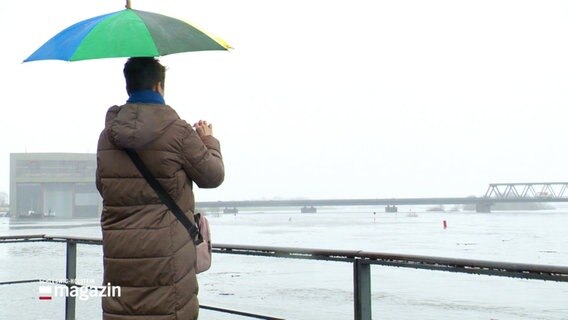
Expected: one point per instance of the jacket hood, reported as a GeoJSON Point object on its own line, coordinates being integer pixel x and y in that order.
{"type": "Point", "coordinates": [137, 124]}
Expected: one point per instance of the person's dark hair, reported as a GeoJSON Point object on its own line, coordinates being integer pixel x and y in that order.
{"type": "Point", "coordinates": [142, 73]}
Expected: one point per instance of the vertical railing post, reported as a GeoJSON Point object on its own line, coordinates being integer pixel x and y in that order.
{"type": "Point", "coordinates": [362, 290]}
{"type": "Point", "coordinates": [70, 275]}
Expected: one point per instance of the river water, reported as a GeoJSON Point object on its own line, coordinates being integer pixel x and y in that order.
{"type": "Point", "coordinates": [299, 289]}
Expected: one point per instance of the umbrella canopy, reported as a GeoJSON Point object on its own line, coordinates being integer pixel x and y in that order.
{"type": "Point", "coordinates": [126, 33]}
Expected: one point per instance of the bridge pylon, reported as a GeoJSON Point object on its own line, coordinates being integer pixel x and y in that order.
{"type": "Point", "coordinates": [391, 208]}
{"type": "Point", "coordinates": [484, 207]}
{"type": "Point", "coordinates": [310, 209]}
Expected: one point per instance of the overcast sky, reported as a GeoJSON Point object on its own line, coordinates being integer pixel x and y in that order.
{"type": "Point", "coordinates": [322, 99]}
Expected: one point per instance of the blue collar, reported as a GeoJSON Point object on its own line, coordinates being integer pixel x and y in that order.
{"type": "Point", "coordinates": [146, 96]}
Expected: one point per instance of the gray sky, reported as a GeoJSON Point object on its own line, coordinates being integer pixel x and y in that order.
{"type": "Point", "coordinates": [322, 99]}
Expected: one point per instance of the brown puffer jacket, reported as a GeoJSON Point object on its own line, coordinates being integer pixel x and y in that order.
{"type": "Point", "coordinates": [147, 252]}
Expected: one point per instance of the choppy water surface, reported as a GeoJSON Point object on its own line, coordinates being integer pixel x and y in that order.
{"type": "Point", "coordinates": [298, 289]}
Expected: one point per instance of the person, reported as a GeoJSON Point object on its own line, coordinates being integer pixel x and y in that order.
{"type": "Point", "coordinates": [146, 251]}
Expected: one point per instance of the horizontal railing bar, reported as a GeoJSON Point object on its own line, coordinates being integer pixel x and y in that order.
{"type": "Point", "coordinates": [284, 252]}
{"type": "Point", "coordinates": [80, 240]}
{"type": "Point", "coordinates": [29, 241]}
{"type": "Point", "coordinates": [479, 271]}
{"type": "Point", "coordinates": [23, 237]}
{"type": "Point", "coordinates": [286, 256]}
{"type": "Point", "coordinates": [44, 238]}
{"type": "Point", "coordinates": [504, 269]}
{"type": "Point", "coordinates": [239, 313]}
{"type": "Point", "coordinates": [58, 282]}
{"type": "Point", "coordinates": [19, 282]}
{"type": "Point", "coordinates": [322, 254]}
{"type": "Point", "coordinates": [495, 268]}
{"type": "Point", "coordinates": [457, 262]}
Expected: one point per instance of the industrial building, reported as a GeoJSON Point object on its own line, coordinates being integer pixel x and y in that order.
{"type": "Point", "coordinates": [53, 185]}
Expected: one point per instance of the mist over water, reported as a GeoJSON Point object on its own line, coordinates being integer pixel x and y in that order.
{"type": "Point", "coordinates": [298, 289]}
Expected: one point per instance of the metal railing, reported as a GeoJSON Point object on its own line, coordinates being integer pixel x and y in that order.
{"type": "Point", "coordinates": [361, 260]}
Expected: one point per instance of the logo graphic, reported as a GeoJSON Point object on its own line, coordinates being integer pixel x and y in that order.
{"type": "Point", "coordinates": [76, 289]}
{"type": "Point", "coordinates": [45, 293]}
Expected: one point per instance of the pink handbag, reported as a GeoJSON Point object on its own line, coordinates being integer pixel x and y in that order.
{"type": "Point", "coordinates": [203, 250]}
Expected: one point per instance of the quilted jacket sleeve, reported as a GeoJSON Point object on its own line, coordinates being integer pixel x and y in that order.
{"type": "Point", "coordinates": [203, 161]}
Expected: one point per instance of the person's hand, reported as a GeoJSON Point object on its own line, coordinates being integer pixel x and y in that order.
{"type": "Point", "coordinates": [203, 128]}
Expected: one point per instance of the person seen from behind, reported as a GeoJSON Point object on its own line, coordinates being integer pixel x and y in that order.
{"type": "Point", "coordinates": [147, 252]}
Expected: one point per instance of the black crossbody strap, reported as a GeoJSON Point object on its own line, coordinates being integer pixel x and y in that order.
{"type": "Point", "coordinates": [164, 196]}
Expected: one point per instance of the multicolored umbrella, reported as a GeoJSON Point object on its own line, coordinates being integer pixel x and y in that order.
{"type": "Point", "coordinates": [126, 33]}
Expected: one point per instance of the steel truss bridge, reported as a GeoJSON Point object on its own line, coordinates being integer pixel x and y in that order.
{"type": "Point", "coordinates": [547, 190]}
{"type": "Point", "coordinates": [496, 193]}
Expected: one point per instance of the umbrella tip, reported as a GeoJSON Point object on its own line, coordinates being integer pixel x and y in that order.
{"type": "Point", "coordinates": [127, 4]}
